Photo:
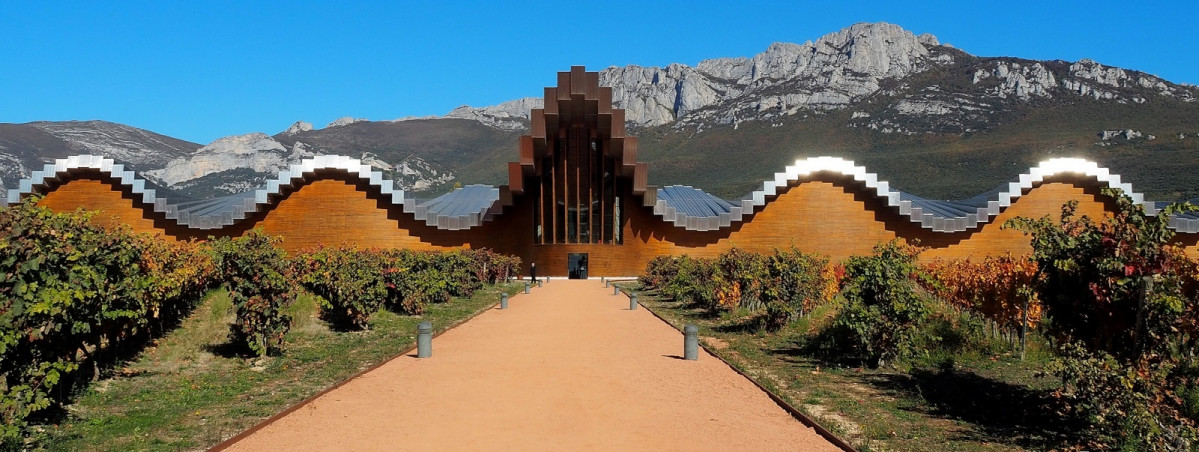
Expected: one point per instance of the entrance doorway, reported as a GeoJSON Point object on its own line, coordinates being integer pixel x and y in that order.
{"type": "Point", "coordinates": [576, 265]}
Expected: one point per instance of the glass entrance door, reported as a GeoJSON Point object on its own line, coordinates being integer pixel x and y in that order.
{"type": "Point", "coordinates": [576, 265]}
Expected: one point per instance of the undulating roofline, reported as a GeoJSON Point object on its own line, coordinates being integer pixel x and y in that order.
{"type": "Point", "coordinates": [695, 210]}
{"type": "Point", "coordinates": [684, 207]}
{"type": "Point", "coordinates": [461, 209]}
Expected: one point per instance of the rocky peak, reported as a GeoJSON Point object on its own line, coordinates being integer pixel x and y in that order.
{"type": "Point", "coordinates": [255, 151]}
{"type": "Point", "coordinates": [1090, 79]}
{"type": "Point", "coordinates": [299, 126]}
{"type": "Point", "coordinates": [127, 144]}
{"type": "Point", "coordinates": [1017, 79]}
{"type": "Point", "coordinates": [510, 115]}
{"type": "Point", "coordinates": [837, 69]}
{"type": "Point", "coordinates": [344, 121]}
{"type": "Point", "coordinates": [242, 144]}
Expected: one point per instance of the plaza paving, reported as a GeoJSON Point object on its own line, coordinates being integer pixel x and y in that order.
{"type": "Point", "coordinates": [568, 367]}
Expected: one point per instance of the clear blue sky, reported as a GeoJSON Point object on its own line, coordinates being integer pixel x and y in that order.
{"type": "Point", "coordinates": [201, 70]}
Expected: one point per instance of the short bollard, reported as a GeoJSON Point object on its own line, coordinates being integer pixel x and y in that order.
{"type": "Point", "coordinates": [633, 302]}
{"type": "Point", "coordinates": [539, 282]}
{"type": "Point", "coordinates": [504, 301]}
{"type": "Point", "coordinates": [606, 283]}
{"type": "Point", "coordinates": [690, 342]}
{"type": "Point", "coordinates": [526, 287]}
{"type": "Point", "coordinates": [615, 290]}
{"type": "Point", "coordinates": [604, 279]}
{"type": "Point", "coordinates": [424, 340]}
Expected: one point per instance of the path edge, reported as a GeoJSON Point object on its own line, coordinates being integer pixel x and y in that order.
{"type": "Point", "coordinates": [794, 412]}
{"type": "Point", "coordinates": [270, 420]}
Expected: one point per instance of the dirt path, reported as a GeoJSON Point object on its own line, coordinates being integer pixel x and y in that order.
{"type": "Point", "coordinates": [568, 367]}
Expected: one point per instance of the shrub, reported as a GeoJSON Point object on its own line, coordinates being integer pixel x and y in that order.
{"type": "Point", "coordinates": [786, 283]}
{"type": "Point", "coordinates": [659, 271]}
{"type": "Point", "coordinates": [413, 280]}
{"type": "Point", "coordinates": [883, 314]}
{"type": "Point", "coordinates": [348, 281]}
{"type": "Point", "coordinates": [797, 283]}
{"type": "Point", "coordinates": [1123, 305]}
{"type": "Point", "coordinates": [490, 267]}
{"type": "Point", "coordinates": [459, 272]}
{"type": "Point", "coordinates": [256, 272]}
{"type": "Point", "coordinates": [695, 281]}
{"type": "Point", "coordinates": [740, 276]}
{"type": "Point", "coordinates": [74, 294]}
{"type": "Point", "coordinates": [997, 288]}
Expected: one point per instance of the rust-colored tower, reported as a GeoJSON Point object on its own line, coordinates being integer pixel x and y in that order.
{"type": "Point", "coordinates": [577, 163]}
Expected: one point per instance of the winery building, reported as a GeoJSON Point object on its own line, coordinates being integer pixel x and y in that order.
{"type": "Point", "coordinates": [577, 203]}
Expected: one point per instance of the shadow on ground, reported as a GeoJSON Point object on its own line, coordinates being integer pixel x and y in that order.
{"type": "Point", "coordinates": [999, 412]}
{"type": "Point", "coordinates": [996, 411]}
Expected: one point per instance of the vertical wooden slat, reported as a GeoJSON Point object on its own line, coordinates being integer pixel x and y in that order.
{"type": "Point", "coordinates": [592, 85]}
{"type": "Point", "coordinates": [516, 179]}
{"type": "Point", "coordinates": [564, 86]}
{"type": "Point", "coordinates": [537, 116]}
{"type": "Point", "coordinates": [605, 101]}
{"type": "Point", "coordinates": [526, 150]}
{"type": "Point", "coordinates": [630, 152]}
{"type": "Point", "coordinates": [618, 129]}
{"type": "Point", "coordinates": [578, 81]}
{"type": "Point", "coordinates": [547, 193]}
{"type": "Point", "coordinates": [554, 191]}
{"type": "Point", "coordinates": [577, 148]}
{"type": "Point", "coordinates": [551, 101]}
{"type": "Point", "coordinates": [560, 204]}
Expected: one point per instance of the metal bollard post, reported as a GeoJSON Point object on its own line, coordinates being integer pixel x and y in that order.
{"type": "Point", "coordinates": [691, 342]}
{"type": "Point", "coordinates": [604, 279]}
{"type": "Point", "coordinates": [606, 283]}
{"type": "Point", "coordinates": [615, 290]}
{"type": "Point", "coordinates": [504, 300]}
{"type": "Point", "coordinates": [424, 340]}
{"type": "Point", "coordinates": [526, 287]}
{"type": "Point", "coordinates": [633, 302]}
{"type": "Point", "coordinates": [539, 282]}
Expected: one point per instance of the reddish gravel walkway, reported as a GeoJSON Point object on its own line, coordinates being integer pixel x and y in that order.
{"type": "Point", "coordinates": [568, 367]}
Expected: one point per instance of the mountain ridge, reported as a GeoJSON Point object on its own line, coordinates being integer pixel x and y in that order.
{"type": "Point", "coordinates": [873, 92]}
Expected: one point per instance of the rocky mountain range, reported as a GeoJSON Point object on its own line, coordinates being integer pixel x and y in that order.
{"type": "Point", "coordinates": [931, 118]}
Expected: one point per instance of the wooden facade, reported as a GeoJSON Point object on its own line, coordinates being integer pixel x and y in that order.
{"type": "Point", "coordinates": [578, 189]}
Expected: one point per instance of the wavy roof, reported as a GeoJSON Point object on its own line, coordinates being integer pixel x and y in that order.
{"type": "Point", "coordinates": [684, 207]}
{"type": "Point", "coordinates": [695, 210]}
{"type": "Point", "coordinates": [461, 209]}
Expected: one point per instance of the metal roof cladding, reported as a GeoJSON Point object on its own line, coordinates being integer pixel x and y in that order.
{"type": "Point", "coordinates": [683, 206]}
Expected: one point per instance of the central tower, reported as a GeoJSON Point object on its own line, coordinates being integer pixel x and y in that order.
{"type": "Point", "coordinates": [577, 164]}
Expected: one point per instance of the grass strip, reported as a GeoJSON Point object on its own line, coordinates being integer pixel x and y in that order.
{"type": "Point", "coordinates": [972, 405]}
{"type": "Point", "coordinates": [187, 391]}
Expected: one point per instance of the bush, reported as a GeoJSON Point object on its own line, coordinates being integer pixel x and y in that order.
{"type": "Point", "coordinates": [786, 283]}
{"type": "Point", "coordinates": [694, 281]}
{"type": "Point", "coordinates": [740, 277]}
{"type": "Point", "coordinates": [414, 279]}
{"type": "Point", "coordinates": [348, 281]}
{"type": "Point", "coordinates": [1121, 406]}
{"type": "Point", "coordinates": [75, 294]}
{"type": "Point", "coordinates": [257, 273]}
{"type": "Point", "coordinates": [797, 283]}
{"type": "Point", "coordinates": [490, 267]}
{"type": "Point", "coordinates": [459, 271]}
{"type": "Point", "coordinates": [997, 288]}
{"type": "Point", "coordinates": [659, 271]}
{"type": "Point", "coordinates": [883, 314]}
{"type": "Point", "coordinates": [1123, 305]}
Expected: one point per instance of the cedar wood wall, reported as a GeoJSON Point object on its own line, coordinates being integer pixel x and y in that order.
{"type": "Point", "coordinates": [829, 215]}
